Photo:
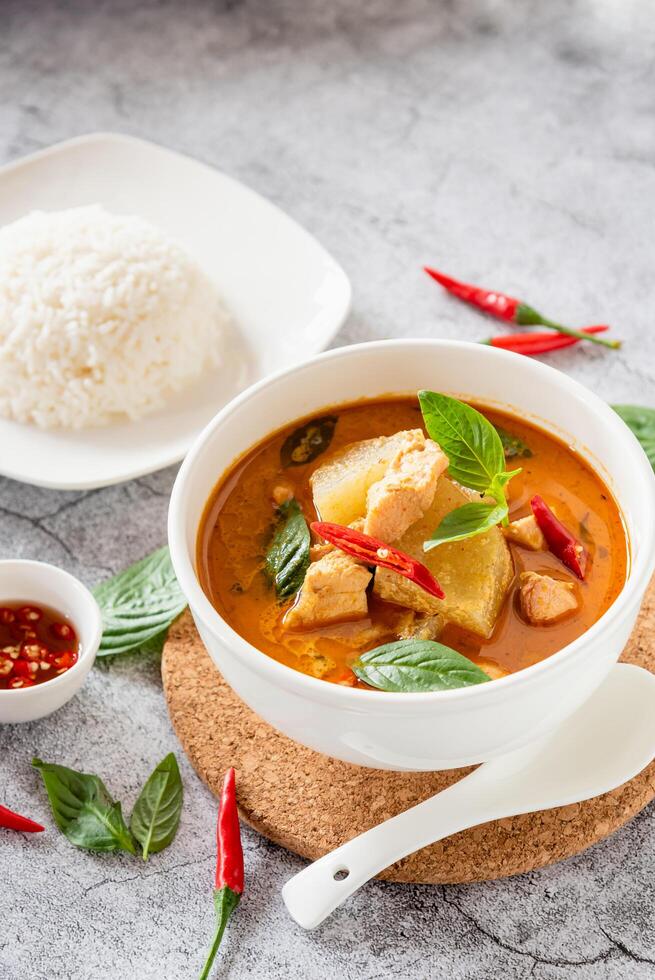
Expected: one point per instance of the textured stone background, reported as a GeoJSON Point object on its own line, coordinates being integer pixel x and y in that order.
{"type": "Point", "coordinates": [511, 142]}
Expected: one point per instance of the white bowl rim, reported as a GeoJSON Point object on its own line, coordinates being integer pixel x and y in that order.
{"type": "Point", "coordinates": [344, 697]}
{"type": "Point", "coordinates": [88, 650]}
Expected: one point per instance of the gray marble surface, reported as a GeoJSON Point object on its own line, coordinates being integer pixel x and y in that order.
{"type": "Point", "coordinates": [513, 143]}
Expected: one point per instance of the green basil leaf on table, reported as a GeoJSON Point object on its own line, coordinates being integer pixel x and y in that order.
{"type": "Point", "coordinates": [513, 445]}
{"type": "Point", "coordinates": [469, 440]}
{"type": "Point", "coordinates": [466, 522]}
{"type": "Point", "coordinates": [139, 604]}
{"type": "Point", "coordinates": [287, 558]}
{"type": "Point", "coordinates": [156, 814]}
{"type": "Point", "coordinates": [417, 665]}
{"type": "Point", "coordinates": [308, 442]}
{"type": "Point", "coordinates": [83, 809]}
{"type": "Point", "coordinates": [642, 422]}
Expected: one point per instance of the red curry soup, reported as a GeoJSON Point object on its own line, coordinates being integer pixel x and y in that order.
{"type": "Point", "coordinates": [411, 544]}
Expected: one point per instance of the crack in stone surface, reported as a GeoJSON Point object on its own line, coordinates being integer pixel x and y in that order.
{"type": "Point", "coordinates": [146, 486]}
{"type": "Point", "coordinates": [141, 877]}
{"type": "Point", "coordinates": [397, 972]}
{"type": "Point", "coordinates": [546, 961]}
{"type": "Point", "coordinates": [620, 945]}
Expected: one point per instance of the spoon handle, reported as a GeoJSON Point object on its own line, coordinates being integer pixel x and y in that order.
{"type": "Point", "coordinates": [316, 891]}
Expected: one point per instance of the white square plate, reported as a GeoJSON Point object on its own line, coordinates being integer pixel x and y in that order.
{"type": "Point", "coordinates": [287, 295]}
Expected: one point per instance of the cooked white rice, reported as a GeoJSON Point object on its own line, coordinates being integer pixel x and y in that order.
{"type": "Point", "coordinates": [102, 317]}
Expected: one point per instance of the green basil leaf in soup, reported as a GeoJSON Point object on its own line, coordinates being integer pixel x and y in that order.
{"type": "Point", "coordinates": [83, 809]}
{"type": "Point", "coordinates": [287, 558]}
{"type": "Point", "coordinates": [417, 665]}
{"type": "Point", "coordinates": [467, 522]}
{"type": "Point", "coordinates": [642, 422]}
{"type": "Point", "coordinates": [308, 442]}
{"type": "Point", "coordinates": [513, 445]}
{"type": "Point", "coordinates": [139, 604]}
{"type": "Point", "coordinates": [157, 811]}
{"type": "Point", "coordinates": [475, 452]}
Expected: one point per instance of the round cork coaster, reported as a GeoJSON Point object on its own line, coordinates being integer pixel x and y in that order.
{"type": "Point", "coordinates": [311, 804]}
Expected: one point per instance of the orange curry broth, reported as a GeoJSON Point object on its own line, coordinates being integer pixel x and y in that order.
{"type": "Point", "coordinates": [239, 518]}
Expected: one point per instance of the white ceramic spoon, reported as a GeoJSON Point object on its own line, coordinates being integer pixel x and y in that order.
{"type": "Point", "coordinates": [603, 744]}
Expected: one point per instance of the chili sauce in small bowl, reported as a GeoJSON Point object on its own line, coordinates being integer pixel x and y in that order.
{"type": "Point", "coordinates": [50, 631]}
{"type": "Point", "coordinates": [37, 644]}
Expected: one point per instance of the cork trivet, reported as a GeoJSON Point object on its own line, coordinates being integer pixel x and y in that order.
{"type": "Point", "coordinates": [310, 803]}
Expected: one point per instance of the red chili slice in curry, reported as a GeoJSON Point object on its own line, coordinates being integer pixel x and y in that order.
{"type": "Point", "coordinates": [373, 552]}
{"type": "Point", "coordinates": [559, 539]}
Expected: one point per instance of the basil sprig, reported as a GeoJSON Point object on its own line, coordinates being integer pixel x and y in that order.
{"type": "Point", "coordinates": [83, 809]}
{"type": "Point", "coordinates": [417, 665]}
{"type": "Point", "coordinates": [287, 558]}
{"type": "Point", "coordinates": [476, 459]}
{"type": "Point", "coordinates": [138, 605]}
{"type": "Point", "coordinates": [91, 819]}
{"type": "Point", "coordinates": [157, 811]}
{"type": "Point", "coordinates": [642, 422]}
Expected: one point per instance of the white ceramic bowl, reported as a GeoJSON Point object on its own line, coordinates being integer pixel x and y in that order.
{"type": "Point", "coordinates": [42, 584]}
{"type": "Point", "coordinates": [443, 729]}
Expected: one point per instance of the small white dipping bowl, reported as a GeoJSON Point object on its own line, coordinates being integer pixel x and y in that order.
{"type": "Point", "coordinates": [443, 729]}
{"type": "Point", "coordinates": [37, 583]}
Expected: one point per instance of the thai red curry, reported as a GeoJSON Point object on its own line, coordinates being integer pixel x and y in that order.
{"type": "Point", "coordinates": [408, 544]}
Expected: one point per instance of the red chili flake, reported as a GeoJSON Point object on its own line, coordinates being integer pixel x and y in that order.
{"type": "Point", "coordinates": [33, 651]}
{"type": "Point", "coordinates": [559, 539]}
{"type": "Point", "coordinates": [373, 552]}
{"type": "Point", "coordinates": [30, 615]}
{"type": "Point", "coordinates": [19, 682]}
{"type": "Point", "coordinates": [63, 631]}
{"type": "Point", "coordinates": [7, 615]}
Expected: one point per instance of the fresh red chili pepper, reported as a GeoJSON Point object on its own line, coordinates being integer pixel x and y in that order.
{"type": "Point", "coordinates": [373, 552]}
{"type": "Point", "coordinates": [558, 538]}
{"type": "Point", "coordinates": [14, 821]}
{"type": "Point", "coordinates": [508, 308]}
{"type": "Point", "coordinates": [228, 884]}
{"type": "Point", "coordinates": [538, 343]}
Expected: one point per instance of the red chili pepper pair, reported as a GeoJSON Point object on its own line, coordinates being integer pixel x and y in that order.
{"type": "Point", "coordinates": [538, 343]}
{"type": "Point", "coordinates": [509, 308]}
{"type": "Point", "coordinates": [373, 552]}
{"type": "Point", "coordinates": [228, 885]}
{"type": "Point", "coordinates": [558, 538]}
{"type": "Point", "coordinates": [14, 821]}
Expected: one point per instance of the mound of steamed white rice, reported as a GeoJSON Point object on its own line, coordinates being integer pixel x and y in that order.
{"type": "Point", "coordinates": [102, 318]}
